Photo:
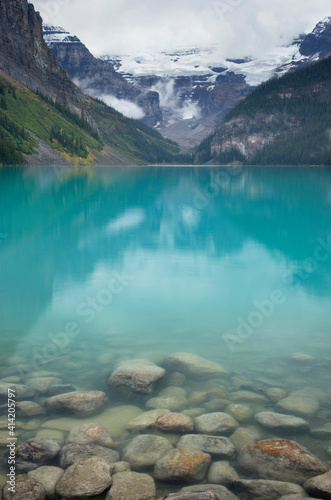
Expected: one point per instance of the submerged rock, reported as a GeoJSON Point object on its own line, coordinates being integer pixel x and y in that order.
{"type": "Point", "coordinates": [35, 452]}
{"type": "Point", "coordinates": [57, 389]}
{"type": "Point", "coordinates": [145, 420]}
{"type": "Point", "coordinates": [278, 421]}
{"type": "Point", "coordinates": [26, 488]}
{"type": "Point", "coordinates": [241, 413]}
{"type": "Point", "coordinates": [87, 477]}
{"type": "Point", "coordinates": [195, 366]}
{"type": "Point", "coordinates": [222, 473]}
{"type": "Point", "coordinates": [145, 451]}
{"type": "Point", "coordinates": [260, 489]}
{"type": "Point", "coordinates": [135, 376]}
{"type": "Point", "coordinates": [80, 403]}
{"type": "Point", "coordinates": [171, 403]}
{"type": "Point", "coordinates": [91, 434]}
{"type": "Point", "coordinates": [299, 405]}
{"type": "Point", "coordinates": [319, 486]}
{"type": "Point", "coordinates": [21, 391]}
{"type": "Point", "coordinates": [221, 492]}
{"type": "Point", "coordinates": [75, 451]}
{"type": "Point", "coordinates": [43, 384]}
{"type": "Point", "coordinates": [281, 460]}
{"type": "Point", "coordinates": [322, 432]}
{"type": "Point", "coordinates": [174, 422]}
{"type": "Point", "coordinates": [243, 436]}
{"type": "Point", "coordinates": [248, 397]}
{"type": "Point", "coordinates": [275, 394]}
{"type": "Point", "coordinates": [132, 486]}
{"type": "Point", "coordinates": [203, 495]}
{"type": "Point", "coordinates": [47, 476]}
{"type": "Point", "coordinates": [182, 465]}
{"type": "Point", "coordinates": [29, 409]}
{"type": "Point", "coordinates": [215, 423]}
{"type": "Point", "coordinates": [215, 445]}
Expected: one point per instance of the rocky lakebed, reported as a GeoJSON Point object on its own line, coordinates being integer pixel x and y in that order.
{"type": "Point", "coordinates": [184, 428]}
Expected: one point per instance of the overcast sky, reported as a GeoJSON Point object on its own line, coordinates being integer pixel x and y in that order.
{"type": "Point", "coordinates": [238, 27]}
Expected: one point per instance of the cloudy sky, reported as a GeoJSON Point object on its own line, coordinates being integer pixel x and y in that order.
{"type": "Point", "coordinates": [238, 27]}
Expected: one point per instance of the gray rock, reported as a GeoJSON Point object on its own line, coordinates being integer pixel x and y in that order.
{"type": "Point", "coordinates": [301, 406]}
{"type": "Point", "coordinates": [182, 465]}
{"type": "Point", "coordinates": [215, 445]}
{"type": "Point", "coordinates": [171, 403]}
{"type": "Point", "coordinates": [135, 376]}
{"type": "Point", "coordinates": [241, 413]}
{"type": "Point", "coordinates": [145, 451]}
{"type": "Point", "coordinates": [91, 434]}
{"type": "Point", "coordinates": [80, 403]}
{"type": "Point", "coordinates": [319, 486]}
{"type": "Point", "coordinates": [260, 489]}
{"type": "Point", "coordinates": [280, 422]}
{"type": "Point", "coordinates": [87, 477]}
{"type": "Point", "coordinates": [243, 436]}
{"type": "Point", "coordinates": [322, 432]}
{"type": "Point", "coordinates": [22, 392]}
{"type": "Point", "coordinates": [174, 422]}
{"type": "Point", "coordinates": [132, 486]}
{"type": "Point", "coordinates": [42, 384]}
{"type": "Point", "coordinates": [47, 476]}
{"type": "Point", "coordinates": [221, 492]}
{"type": "Point", "coordinates": [215, 423]}
{"type": "Point", "coordinates": [296, 497]}
{"type": "Point", "coordinates": [35, 452]}
{"type": "Point", "coordinates": [29, 409]}
{"type": "Point", "coordinates": [204, 495]}
{"type": "Point", "coordinates": [121, 467]}
{"type": "Point", "coordinates": [216, 404]}
{"type": "Point", "coordinates": [75, 451]}
{"type": "Point", "coordinates": [195, 366]}
{"type": "Point", "coordinates": [145, 420]}
{"type": "Point", "coordinates": [222, 473]}
{"type": "Point", "coordinates": [281, 460]}
{"type": "Point", "coordinates": [26, 488]}
{"type": "Point", "coordinates": [248, 397]}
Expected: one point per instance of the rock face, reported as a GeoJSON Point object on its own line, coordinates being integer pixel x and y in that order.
{"type": "Point", "coordinates": [144, 451]}
{"type": "Point", "coordinates": [182, 465]}
{"type": "Point", "coordinates": [91, 434]}
{"type": "Point", "coordinates": [277, 421]}
{"type": "Point", "coordinates": [215, 423]}
{"type": "Point", "coordinates": [87, 477]}
{"type": "Point", "coordinates": [25, 56]}
{"type": "Point", "coordinates": [267, 490]}
{"type": "Point", "coordinates": [79, 403]}
{"type": "Point", "coordinates": [36, 452]}
{"type": "Point", "coordinates": [132, 486]}
{"type": "Point", "coordinates": [194, 366]}
{"type": "Point", "coordinates": [26, 489]}
{"type": "Point", "coordinates": [215, 445]}
{"type": "Point", "coordinates": [135, 376]}
{"type": "Point", "coordinates": [281, 460]}
{"type": "Point", "coordinates": [320, 486]}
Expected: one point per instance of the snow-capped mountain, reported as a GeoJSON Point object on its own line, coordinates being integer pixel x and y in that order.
{"type": "Point", "coordinates": [189, 90]}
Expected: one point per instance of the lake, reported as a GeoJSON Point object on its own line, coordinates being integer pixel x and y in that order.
{"type": "Point", "coordinates": [100, 265]}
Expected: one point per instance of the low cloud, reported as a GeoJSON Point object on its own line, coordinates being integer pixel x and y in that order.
{"type": "Point", "coordinates": [127, 108]}
{"type": "Point", "coordinates": [171, 100]}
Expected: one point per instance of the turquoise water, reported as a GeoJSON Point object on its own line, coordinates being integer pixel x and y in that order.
{"type": "Point", "coordinates": [100, 265]}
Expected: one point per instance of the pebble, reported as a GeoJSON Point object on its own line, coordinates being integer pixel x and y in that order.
{"type": "Point", "coordinates": [214, 445]}
{"type": "Point", "coordinates": [144, 451]}
{"type": "Point", "coordinates": [215, 423]}
{"type": "Point", "coordinates": [132, 486]}
{"type": "Point", "coordinates": [281, 460]}
{"type": "Point", "coordinates": [174, 422]}
{"type": "Point", "coordinates": [182, 465]}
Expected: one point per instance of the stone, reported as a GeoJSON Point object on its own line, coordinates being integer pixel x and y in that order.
{"type": "Point", "coordinates": [194, 412]}
{"type": "Point", "coordinates": [215, 423]}
{"type": "Point", "coordinates": [195, 366]}
{"type": "Point", "coordinates": [176, 379]}
{"type": "Point", "coordinates": [322, 432]}
{"type": "Point", "coordinates": [22, 392]}
{"type": "Point", "coordinates": [298, 405]}
{"type": "Point", "coordinates": [260, 489]}
{"type": "Point", "coordinates": [275, 394]}
{"type": "Point", "coordinates": [216, 404]}
{"type": "Point", "coordinates": [320, 486]}
{"type": "Point", "coordinates": [296, 497]}
{"type": "Point", "coordinates": [281, 460]}
{"type": "Point", "coordinates": [86, 477]}
{"type": "Point", "coordinates": [80, 403]}
{"type": "Point", "coordinates": [214, 445]}
{"type": "Point", "coordinates": [135, 376]}
{"type": "Point", "coordinates": [26, 488]}
{"type": "Point", "coordinates": [182, 465]}
{"type": "Point", "coordinates": [203, 495]}
{"type": "Point", "coordinates": [221, 492]}
{"type": "Point", "coordinates": [132, 486]}
{"type": "Point", "coordinates": [29, 409]}
{"type": "Point", "coordinates": [247, 397]}
{"type": "Point", "coordinates": [174, 422]}
{"type": "Point", "coordinates": [52, 434]}
{"type": "Point", "coordinates": [144, 451]}
{"type": "Point", "coordinates": [91, 434]}
{"type": "Point", "coordinates": [222, 473]}
{"type": "Point", "coordinates": [172, 392]}
{"type": "Point", "coordinates": [243, 436]}
{"type": "Point", "coordinates": [280, 422]}
{"type": "Point", "coordinates": [42, 384]}
{"type": "Point", "coordinates": [57, 389]}
{"type": "Point", "coordinates": [47, 476]}
{"type": "Point", "coordinates": [197, 398]}
{"type": "Point", "coordinates": [241, 413]}
{"type": "Point", "coordinates": [121, 467]}
{"type": "Point", "coordinates": [35, 452]}
{"type": "Point", "coordinates": [170, 403]}
{"type": "Point", "coordinates": [145, 420]}
{"type": "Point", "coordinates": [75, 451]}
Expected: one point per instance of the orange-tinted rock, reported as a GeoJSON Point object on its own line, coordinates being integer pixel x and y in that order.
{"type": "Point", "coordinates": [182, 465]}
{"type": "Point", "coordinates": [281, 460]}
{"type": "Point", "coordinates": [174, 422]}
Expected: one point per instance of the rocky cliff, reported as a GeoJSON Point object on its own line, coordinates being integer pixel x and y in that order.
{"type": "Point", "coordinates": [25, 56]}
